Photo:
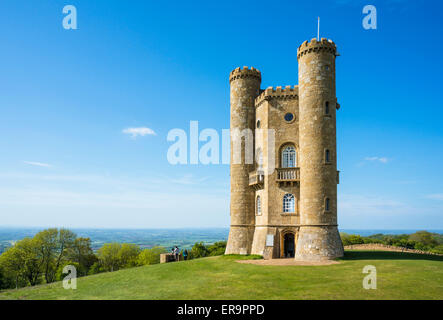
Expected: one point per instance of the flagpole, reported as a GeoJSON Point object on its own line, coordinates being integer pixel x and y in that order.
{"type": "Point", "coordinates": [318, 30]}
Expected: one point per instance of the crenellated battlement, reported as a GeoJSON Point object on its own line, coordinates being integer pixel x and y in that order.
{"type": "Point", "coordinates": [246, 72]}
{"type": "Point", "coordinates": [288, 92]}
{"type": "Point", "coordinates": [316, 46]}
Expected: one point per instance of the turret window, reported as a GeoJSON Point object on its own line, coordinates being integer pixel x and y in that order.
{"type": "Point", "coordinates": [289, 157]}
{"type": "Point", "coordinates": [258, 206]}
{"type": "Point", "coordinates": [327, 204]}
{"type": "Point", "coordinates": [327, 107]}
{"type": "Point", "coordinates": [288, 203]}
{"type": "Point", "coordinates": [327, 156]}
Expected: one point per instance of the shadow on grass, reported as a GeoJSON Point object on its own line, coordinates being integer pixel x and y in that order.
{"type": "Point", "coordinates": [388, 255]}
{"type": "Point", "coordinates": [242, 257]}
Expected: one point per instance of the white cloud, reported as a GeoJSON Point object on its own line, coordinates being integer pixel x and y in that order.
{"type": "Point", "coordinates": [142, 131]}
{"type": "Point", "coordinates": [435, 196]}
{"type": "Point", "coordinates": [37, 164]}
{"type": "Point", "coordinates": [364, 204]}
{"type": "Point", "coordinates": [379, 159]}
{"type": "Point", "coordinates": [189, 179]}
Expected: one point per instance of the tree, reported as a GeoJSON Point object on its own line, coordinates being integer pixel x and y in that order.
{"type": "Point", "coordinates": [217, 249]}
{"type": "Point", "coordinates": [108, 255]}
{"type": "Point", "coordinates": [128, 254]}
{"type": "Point", "coordinates": [81, 253]}
{"type": "Point", "coordinates": [53, 248]}
{"type": "Point", "coordinates": [23, 262]}
{"type": "Point", "coordinates": [32, 260]}
{"type": "Point", "coordinates": [199, 250]}
{"type": "Point", "coordinates": [12, 263]}
{"type": "Point", "coordinates": [97, 267]}
{"type": "Point", "coordinates": [424, 238]}
{"type": "Point", "coordinates": [349, 239]}
{"type": "Point", "coordinates": [150, 256]}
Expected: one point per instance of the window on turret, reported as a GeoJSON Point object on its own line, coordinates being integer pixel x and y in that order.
{"type": "Point", "coordinates": [327, 204]}
{"type": "Point", "coordinates": [258, 206]}
{"type": "Point", "coordinates": [327, 107]}
{"type": "Point", "coordinates": [327, 156]}
{"type": "Point", "coordinates": [288, 203]}
{"type": "Point", "coordinates": [289, 157]}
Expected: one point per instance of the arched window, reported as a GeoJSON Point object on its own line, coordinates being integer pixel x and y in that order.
{"type": "Point", "coordinates": [327, 107]}
{"type": "Point", "coordinates": [288, 203]}
{"type": "Point", "coordinates": [258, 206]}
{"type": "Point", "coordinates": [327, 204]}
{"type": "Point", "coordinates": [327, 156]}
{"type": "Point", "coordinates": [289, 157]}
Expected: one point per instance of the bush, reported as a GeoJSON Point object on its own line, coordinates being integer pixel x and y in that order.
{"type": "Point", "coordinates": [217, 249]}
{"type": "Point", "coordinates": [438, 249]}
{"type": "Point", "coordinates": [60, 275]}
{"type": "Point", "coordinates": [351, 239]}
{"type": "Point", "coordinates": [150, 256]}
{"type": "Point", "coordinates": [199, 250]}
{"type": "Point", "coordinates": [96, 268]}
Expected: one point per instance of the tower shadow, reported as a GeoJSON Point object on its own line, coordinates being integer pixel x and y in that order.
{"type": "Point", "coordinates": [388, 255]}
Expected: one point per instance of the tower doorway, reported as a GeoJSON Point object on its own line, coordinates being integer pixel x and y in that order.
{"type": "Point", "coordinates": [289, 245]}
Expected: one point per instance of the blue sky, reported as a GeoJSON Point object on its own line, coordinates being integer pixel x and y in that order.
{"type": "Point", "coordinates": [67, 95]}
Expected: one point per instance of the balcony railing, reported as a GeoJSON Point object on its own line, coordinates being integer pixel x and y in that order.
{"type": "Point", "coordinates": [288, 174]}
{"type": "Point", "coordinates": [256, 178]}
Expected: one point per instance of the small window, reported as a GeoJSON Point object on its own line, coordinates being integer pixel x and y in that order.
{"type": "Point", "coordinates": [289, 117]}
{"type": "Point", "coordinates": [327, 155]}
{"type": "Point", "coordinates": [258, 124]}
{"type": "Point", "coordinates": [327, 204]}
{"type": "Point", "coordinates": [288, 203]}
{"type": "Point", "coordinates": [258, 206]}
{"type": "Point", "coordinates": [327, 107]}
{"type": "Point", "coordinates": [327, 68]}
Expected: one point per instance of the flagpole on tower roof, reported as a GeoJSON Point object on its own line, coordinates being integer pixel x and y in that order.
{"type": "Point", "coordinates": [318, 30]}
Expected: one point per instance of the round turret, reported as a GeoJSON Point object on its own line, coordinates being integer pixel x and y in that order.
{"type": "Point", "coordinates": [318, 236]}
{"type": "Point", "coordinates": [245, 87]}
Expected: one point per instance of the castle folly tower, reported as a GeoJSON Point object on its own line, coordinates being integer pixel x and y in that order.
{"type": "Point", "coordinates": [245, 87]}
{"type": "Point", "coordinates": [318, 236]}
{"type": "Point", "coordinates": [285, 204]}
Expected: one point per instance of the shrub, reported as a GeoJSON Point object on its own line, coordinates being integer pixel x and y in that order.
{"type": "Point", "coordinates": [217, 249]}
{"type": "Point", "coordinates": [199, 250]}
{"type": "Point", "coordinates": [150, 256]}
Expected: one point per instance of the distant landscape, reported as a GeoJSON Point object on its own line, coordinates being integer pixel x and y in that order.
{"type": "Point", "coordinates": [167, 238]}
{"type": "Point", "coordinates": [144, 238]}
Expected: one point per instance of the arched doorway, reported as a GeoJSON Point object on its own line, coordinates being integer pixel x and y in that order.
{"type": "Point", "coordinates": [288, 245]}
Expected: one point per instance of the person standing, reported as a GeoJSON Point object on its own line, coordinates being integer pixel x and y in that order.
{"type": "Point", "coordinates": [185, 254]}
{"type": "Point", "coordinates": [177, 253]}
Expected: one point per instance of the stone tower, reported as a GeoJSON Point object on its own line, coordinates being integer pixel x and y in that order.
{"type": "Point", "coordinates": [245, 87]}
{"type": "Point", "coordinates": [318, 237]}
{"type": "Point", "coordinates": [290, 211]}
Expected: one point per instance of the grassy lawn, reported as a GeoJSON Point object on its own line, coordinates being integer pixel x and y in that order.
{"type": "Point", "coordinates": [399, 276]}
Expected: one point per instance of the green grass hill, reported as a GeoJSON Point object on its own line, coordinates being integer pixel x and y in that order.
{"type": "Point", "coordinates": [399, 276]}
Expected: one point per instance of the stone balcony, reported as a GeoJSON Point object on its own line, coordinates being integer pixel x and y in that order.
{"type": "Point", "coordinates": [256, 179]}
{"type": "Point", "coordinates": [288, 176]}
